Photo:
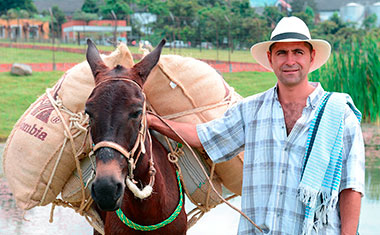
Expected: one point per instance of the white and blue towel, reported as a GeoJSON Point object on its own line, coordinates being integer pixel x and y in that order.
{"type": "Point", "coordinates": [319, 186]}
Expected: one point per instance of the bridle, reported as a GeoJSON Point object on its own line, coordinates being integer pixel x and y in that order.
{"type": "Point", "coordinates": [140, 142]}
{"type": "Point", "coordinates": [130, 182]}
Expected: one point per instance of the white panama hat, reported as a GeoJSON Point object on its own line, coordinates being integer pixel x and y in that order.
{"type": "Point", "coordinates": [292, 29]}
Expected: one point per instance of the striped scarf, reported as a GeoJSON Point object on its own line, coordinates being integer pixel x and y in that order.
{"type": "Point", "coordinates": [320, 179]}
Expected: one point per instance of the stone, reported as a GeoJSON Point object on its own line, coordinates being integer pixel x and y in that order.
{"type": "Point", "coordinates": [21, 69]}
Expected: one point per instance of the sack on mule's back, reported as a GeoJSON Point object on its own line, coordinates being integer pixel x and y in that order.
{"type": "Point", "coordinates": [188, 90]}
{"type": "Point", "coordinates": [33, 148]}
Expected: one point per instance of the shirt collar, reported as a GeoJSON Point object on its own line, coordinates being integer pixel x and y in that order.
{"type": "Point", "coordinates": [312, 99]}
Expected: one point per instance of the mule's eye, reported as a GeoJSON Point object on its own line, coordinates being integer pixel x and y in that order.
{"type": "Point", "coordinates": [135, 114]}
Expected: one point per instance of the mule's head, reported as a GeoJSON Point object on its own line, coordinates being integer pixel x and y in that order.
{"type": "Point", "coordinates": [115, 107]}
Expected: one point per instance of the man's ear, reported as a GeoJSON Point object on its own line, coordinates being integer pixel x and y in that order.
{"type": "Point", "coordinates": [312, 56]}
{"type": "Point", "coordinates": [269, 58]}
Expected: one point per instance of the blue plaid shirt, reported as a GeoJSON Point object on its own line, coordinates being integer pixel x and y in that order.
{"type": "Point", "coordinates": [273, 160]}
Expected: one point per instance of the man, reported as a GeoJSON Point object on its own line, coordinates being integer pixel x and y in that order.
{"type": "Point", "coordinates": [273, 129]}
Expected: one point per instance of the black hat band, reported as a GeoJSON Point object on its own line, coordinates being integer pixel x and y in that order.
{"type": "Point", "coordinates": [282, 36]}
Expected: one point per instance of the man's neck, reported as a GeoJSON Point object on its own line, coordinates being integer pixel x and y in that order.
{"type": "Point", "coordinates": [294, 94]}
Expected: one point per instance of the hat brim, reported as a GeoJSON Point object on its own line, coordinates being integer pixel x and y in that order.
{"type": "Point", "coordinates": [322, 52]}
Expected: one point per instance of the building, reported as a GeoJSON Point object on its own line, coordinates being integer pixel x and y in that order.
{"type": "Point", "coordinates": [326, 8]}
{"type": "Point", "coordinates": [27, 29]}
{"type": "Point", "coordinates": [99, 30]}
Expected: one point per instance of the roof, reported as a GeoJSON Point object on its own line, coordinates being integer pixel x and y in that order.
{"type": "Point", "coordinates": [67, 6]}
{"type": "Point", "coordinates": [328, 5]}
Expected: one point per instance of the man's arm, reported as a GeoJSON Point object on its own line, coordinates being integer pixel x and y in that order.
{"type": "Point", "coordinates": [187, 131]}
{"type": "Point", "coordinates": [349, 204]}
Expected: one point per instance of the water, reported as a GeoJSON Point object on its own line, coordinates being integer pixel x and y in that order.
{"type": "Point", "coordinates": [221, 220]}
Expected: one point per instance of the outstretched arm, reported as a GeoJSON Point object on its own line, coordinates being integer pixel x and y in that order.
{"type": "Point", "coordinates": [349, 204]}
{"type": "Point", "coordinates": [187, 131]}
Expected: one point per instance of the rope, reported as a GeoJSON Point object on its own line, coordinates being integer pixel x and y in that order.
{"type": "Point", "coordinates": [76, 121]}
{"type": "Point", "coordinates": [205, 173]}
{"type": "Point", "coordinates": [171, 218]}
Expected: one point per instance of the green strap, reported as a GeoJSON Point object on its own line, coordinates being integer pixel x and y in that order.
{"type": "Point", "coordinates": [173, 216]}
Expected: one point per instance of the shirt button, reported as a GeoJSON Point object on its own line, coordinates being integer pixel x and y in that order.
{"type": "Point", "coordinates": [278, 215]}
{"type": "Point", "coordinates": [286, 149]}
{"type": "Point", "coordinates": [281, 193]}
{"type": "Point", "coordinates": [283, 171]}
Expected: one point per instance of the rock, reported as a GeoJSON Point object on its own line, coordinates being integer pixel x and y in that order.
{"type": "Point", "coordinates": [21, 69]}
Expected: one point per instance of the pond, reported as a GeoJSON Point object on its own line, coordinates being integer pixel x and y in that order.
{"type": "Point", "coordinates": [221, 220]}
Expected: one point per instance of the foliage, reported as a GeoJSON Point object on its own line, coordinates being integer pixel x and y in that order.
{"type": "Point", "coordinates": [122, 8]}
{"type": "Point", "coordinates": [302, 5]}
{"type": "Point", "coordinates": [370, 22]}
{"type": "Point", "coordinates": [27, 5]}
{"type": "Point", "coordinates": [58, 19]}
{"type": "Point", "coordinates": [81, 15]}
{"type": "Point", "coordinates": [355, 69]}
{"type": "Point", "coordinates": [91, 6]}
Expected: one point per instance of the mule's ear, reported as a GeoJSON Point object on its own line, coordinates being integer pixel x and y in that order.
{"type": "Point", "coordinates": [94, 60]}
{"type": "Point", "coordinates": [144, 67]}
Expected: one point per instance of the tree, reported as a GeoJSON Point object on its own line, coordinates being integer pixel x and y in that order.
{"type": "Point", "coordinates": [58, 19]}
{"type": "Point", "coordinates": [27, 5]}
{"type": "Point", "coordinates": [370, 22]}
{"type": "Point", "coordinates": [91, 6]}
{"type": "Point", "coordinates": [87, 17]}
{"type": "Point", "coordinates": [301, 5]}
{"type": "Point", "coordinates": [122, 8]}
{"type": "Point", "coordinates": [272, 15]}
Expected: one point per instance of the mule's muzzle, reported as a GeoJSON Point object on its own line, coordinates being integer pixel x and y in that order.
{"type": "Point", "coordinates": [107, 193]}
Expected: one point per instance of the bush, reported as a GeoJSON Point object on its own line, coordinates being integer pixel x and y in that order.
{"type": "Point", "coordinates": [355, 69]}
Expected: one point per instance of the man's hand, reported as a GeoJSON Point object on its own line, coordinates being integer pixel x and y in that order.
{"type": "Point", "coordinates": [187, 131]}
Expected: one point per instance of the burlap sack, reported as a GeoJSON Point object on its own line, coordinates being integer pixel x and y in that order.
{"type": "Point", "coordinates": [188, 90]}
{"type": "Point", "coordinates": [38, 157]}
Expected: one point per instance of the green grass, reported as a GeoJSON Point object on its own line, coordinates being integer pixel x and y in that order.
{"type": "Point", "coordinates": [249, 83]}
{"type": "Point", "coordinates": [17, 93]}
{"type": "Point", "coordinates": [355, 69]}
{"type": "Point", "coordinates": [12, 55]}
{"type": "Point", "coordinates": [16, 55]}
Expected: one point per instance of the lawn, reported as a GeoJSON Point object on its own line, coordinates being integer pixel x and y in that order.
{"type": "Point", "coordinates": [12, 55]}
{"type": "Point", "coordinates": [16, 55]}
{"type": "Point", "coordinates": [17, 93]}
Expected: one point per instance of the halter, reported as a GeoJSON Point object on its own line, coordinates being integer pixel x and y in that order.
{"type": "Point", "coordinates": [130, 182]}
{"type": "Point", "coordinates": [140, 140]}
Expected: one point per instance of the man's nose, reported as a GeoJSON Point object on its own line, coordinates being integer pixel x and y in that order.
{"type": "Point", "coordinates": [290, 59]}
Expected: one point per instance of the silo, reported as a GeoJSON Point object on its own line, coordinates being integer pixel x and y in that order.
{"type": "Point", "coordinates": [375, 9]}
{"type": "Point", "coordinates": [353, 12]}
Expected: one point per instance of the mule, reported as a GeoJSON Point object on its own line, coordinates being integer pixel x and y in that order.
{"type": "Point", "coordinates": [133, 175]}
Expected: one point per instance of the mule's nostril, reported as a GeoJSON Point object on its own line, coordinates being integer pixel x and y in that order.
{"type": "Point", "coordinates": [119, 189]}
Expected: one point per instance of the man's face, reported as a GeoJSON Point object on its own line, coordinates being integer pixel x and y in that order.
{"type": "Point", "coordinates": [291, 62]}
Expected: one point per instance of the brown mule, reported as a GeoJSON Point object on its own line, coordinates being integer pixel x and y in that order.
{"type": "Point", "coordinates": [126, 154]}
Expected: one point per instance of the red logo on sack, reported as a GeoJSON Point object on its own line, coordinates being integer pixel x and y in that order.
{"type": "Point", "coordinates": [43, 110]}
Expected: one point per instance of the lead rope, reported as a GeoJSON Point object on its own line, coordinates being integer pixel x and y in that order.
{"type": "Point", "coordinates": [208, 178]}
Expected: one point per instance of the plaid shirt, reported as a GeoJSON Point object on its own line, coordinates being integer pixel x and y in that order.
{"type": "Point", "coordinates": [273, 160]}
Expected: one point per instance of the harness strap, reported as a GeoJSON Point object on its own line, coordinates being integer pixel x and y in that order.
{"type": "Point", "coordinates": [112, 145]}
{"type": "Point", "coordinates": [171, 218]}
